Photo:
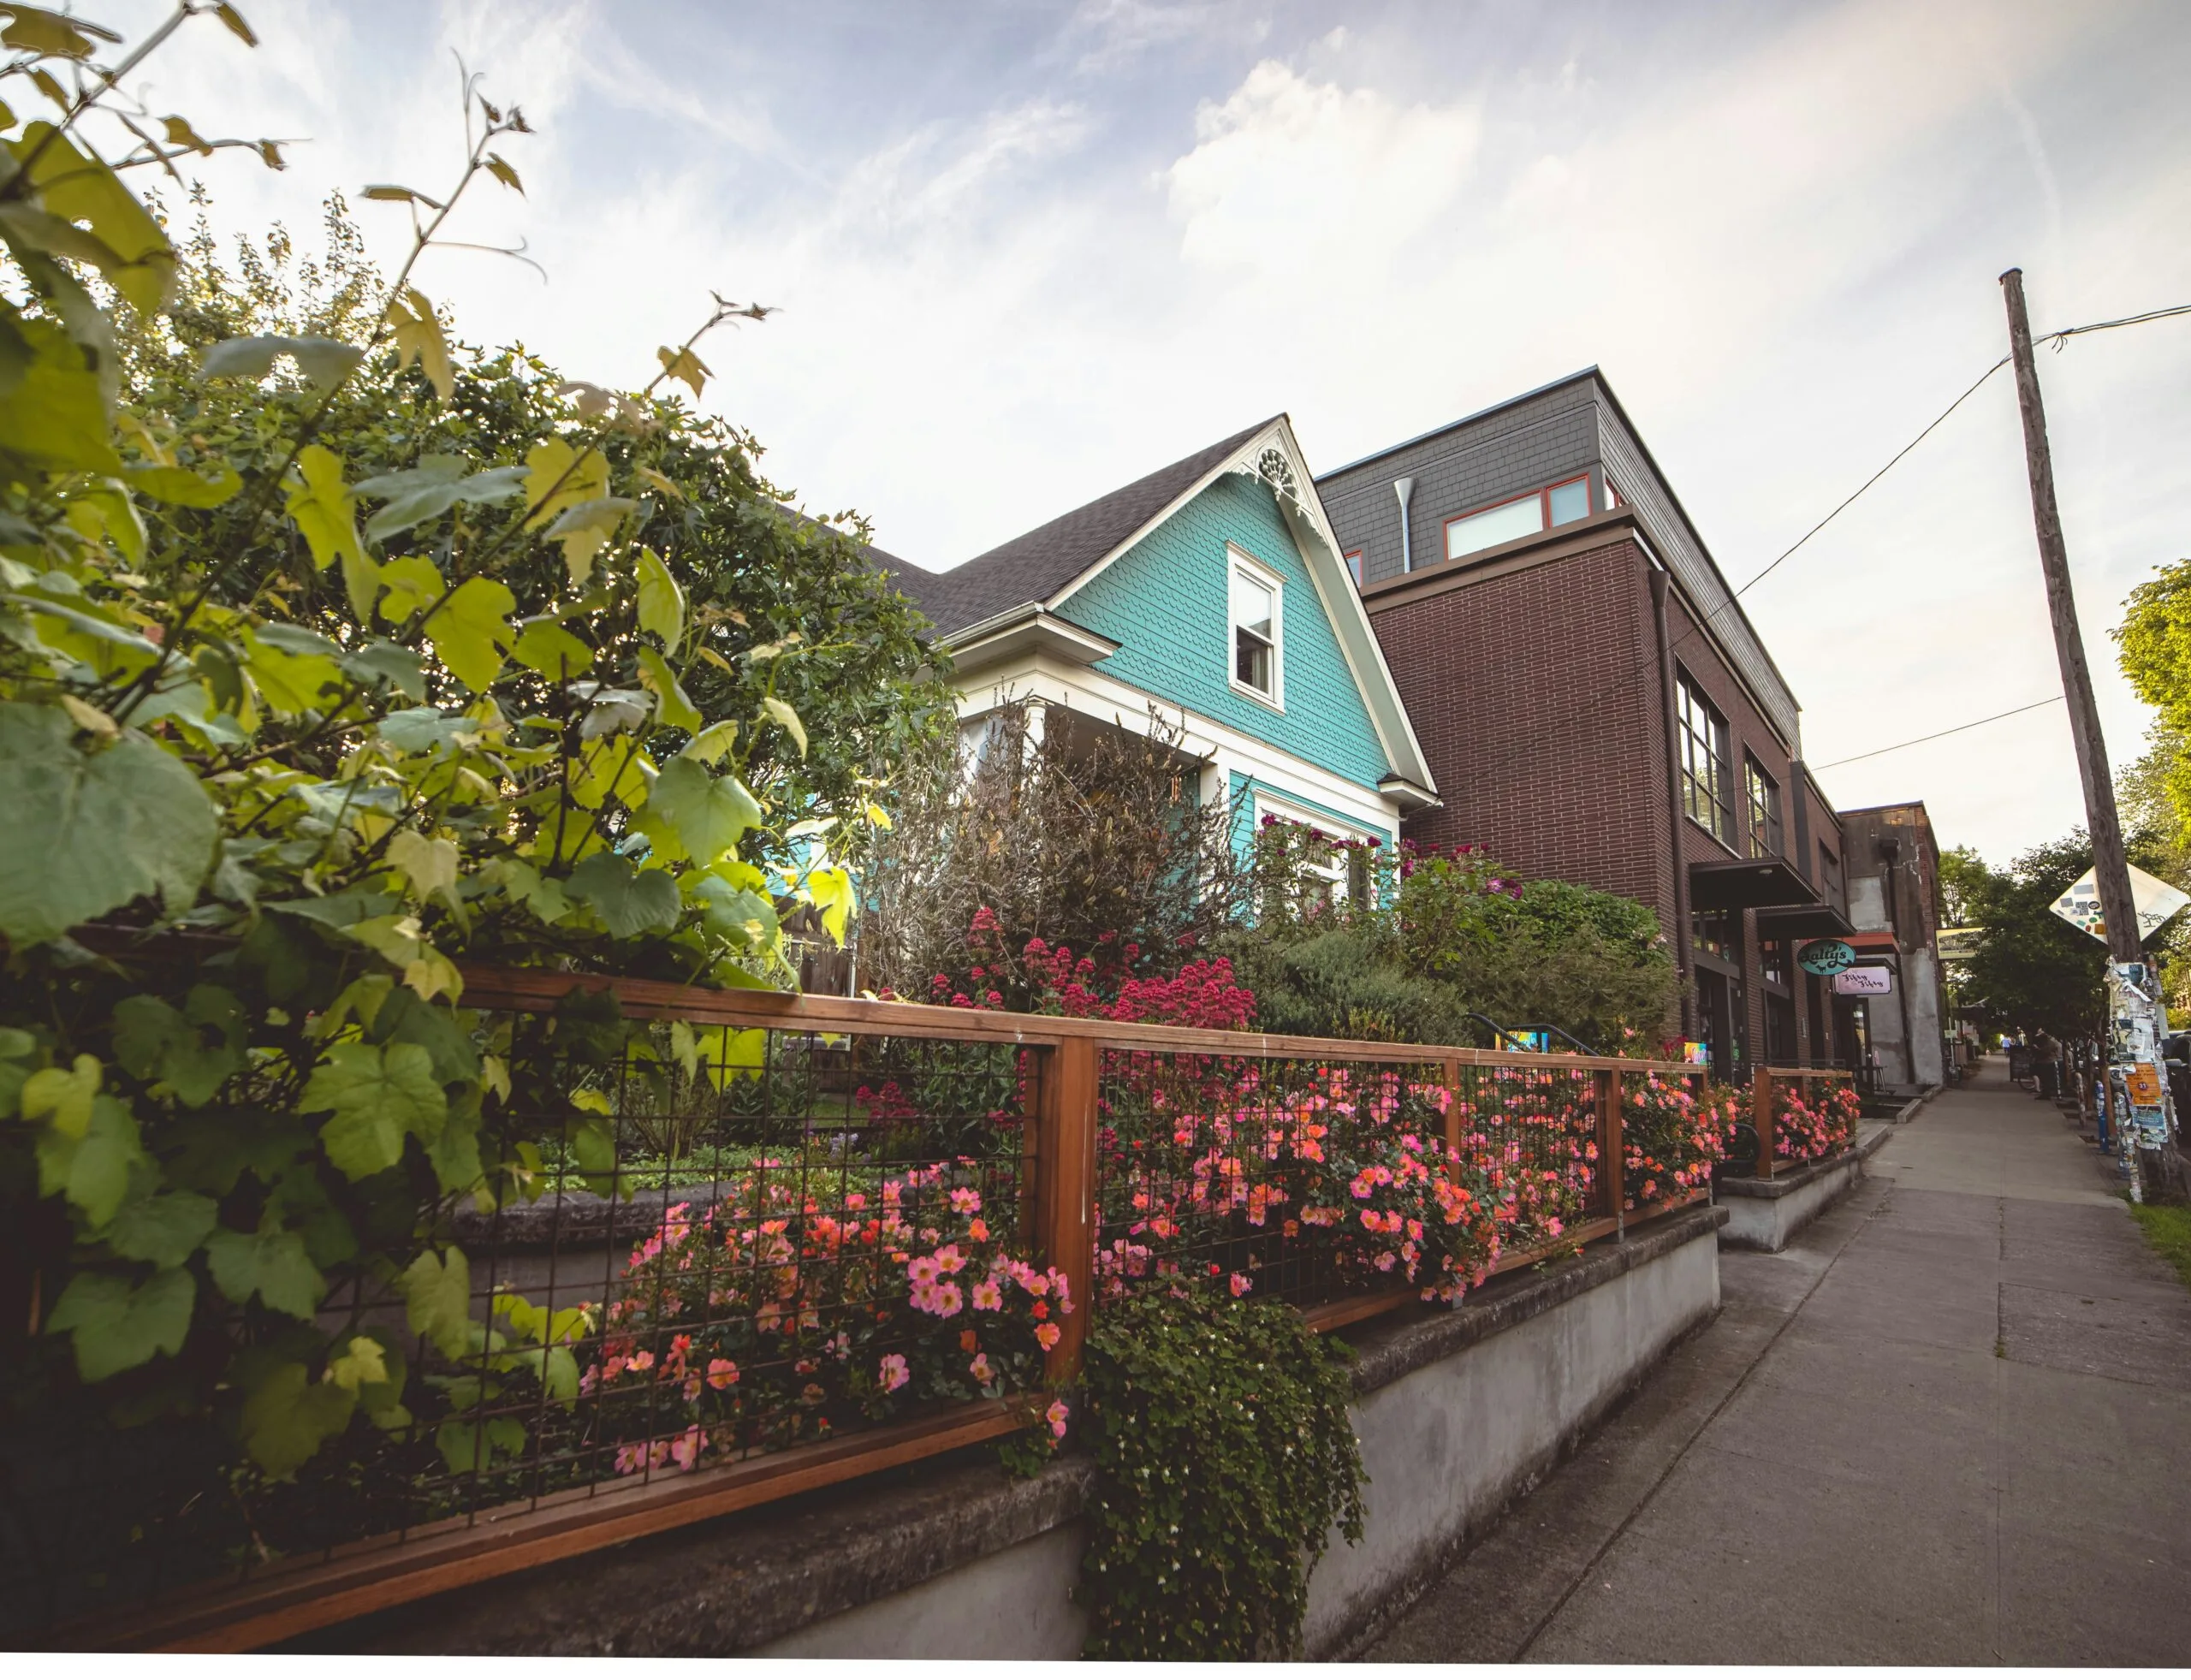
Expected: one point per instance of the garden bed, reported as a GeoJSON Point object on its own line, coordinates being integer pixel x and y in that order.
{"type": "Point", "coordinates": [1460, 1409]}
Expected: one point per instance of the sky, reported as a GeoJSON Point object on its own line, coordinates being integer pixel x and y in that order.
{"type": "Point", "coordinates": [1025, 253]}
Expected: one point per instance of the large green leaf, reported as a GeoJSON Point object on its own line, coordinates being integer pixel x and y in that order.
{"type": "Point", "coordinates": [90, 831]}
{"type": "Point", "coordinates": [165, 1229]}
{"type": "Point", "coordinates": [117, 1326]}
{"type": "Point", "coordinates": [545, 646]}
{"type": "Point", "coordinates": [193, 1052]}
{"type": "Point", "coordinates": [436, 484]}
{"type": "Point", "coordinates": [323, 507]}
{"type": "Point", "coordinates": [437, 1299]}
{"type": "Point", "coordinates": [82, 188]}
{"type": "Point", "coordinates": [288, 1416]}
{"type": "Point", "coordinates": [56, 415]}
{"type": "Point", "coordinates": [662, 602]}
{"type": "Point", "coordinates": [629, 901]}
{"type": "Point", "coordinates": [470, 631]}
{"type": "Point", "coordinates": [92, 1171]}
{"type": "Point", "coordinates": [181, 488]}
{"type": "Point", "coordinates": [707, 813]}
{"type": "Point", "coordinates": [675, 705]}
{"type": "Point", "coordinates": [375, 1094]}
{"type": "Point", "coordinates": [324, 361]}
{"type": "Point", "coordinates": [270, 1263]}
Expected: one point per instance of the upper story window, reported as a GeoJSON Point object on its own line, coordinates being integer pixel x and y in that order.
{"type": "Point", "coordinates": [1829, 869]}
{"type": "Point", "coordinates": [1763, 797]}
{"type": "Point", "coordinates": [1708, 773]}
{"type": "Point", "coordinates": [1353, 565]}
{"type": "Point", "coordinates": [1522, 516]}
{"type": "Point", "coordinates": [1254, 596]}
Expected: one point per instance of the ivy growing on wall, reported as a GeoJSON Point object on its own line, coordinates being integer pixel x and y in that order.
{"type": "Point", "coordinates": [1225, 1457]}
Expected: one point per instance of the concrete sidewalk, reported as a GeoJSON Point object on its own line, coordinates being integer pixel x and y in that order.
{"type": "Point", "coordinates": [1951, 1424]}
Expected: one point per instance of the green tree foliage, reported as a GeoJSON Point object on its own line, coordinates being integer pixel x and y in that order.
{"type": "Point", "coordinates": [2029, 969]}
{"type": "Point", "coordinates": [331, 654]}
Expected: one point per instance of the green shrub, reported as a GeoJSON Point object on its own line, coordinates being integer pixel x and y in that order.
{"type": "Point", "coordinates": [1343, 984]}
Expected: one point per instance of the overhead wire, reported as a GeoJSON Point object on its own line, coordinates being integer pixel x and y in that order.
{"type": "Point", "coordinates": [1938, 734]}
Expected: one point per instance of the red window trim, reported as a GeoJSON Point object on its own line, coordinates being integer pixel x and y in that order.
{"type": "Point", "coordinates": [1543, 496]}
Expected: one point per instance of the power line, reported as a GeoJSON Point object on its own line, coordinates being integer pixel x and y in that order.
{"type": "Point", "coordinates": [1876, 751]}
{"type": "Point", "coordinates": [1608, 692]}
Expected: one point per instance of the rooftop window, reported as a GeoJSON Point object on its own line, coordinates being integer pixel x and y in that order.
{"type": "Point", "coordinates": [1520, 516]}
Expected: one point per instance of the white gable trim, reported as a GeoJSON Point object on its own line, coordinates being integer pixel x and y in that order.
{"type": "Point", "coordinates": [1311, 527]}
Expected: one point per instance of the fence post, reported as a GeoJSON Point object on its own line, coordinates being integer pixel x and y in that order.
{"type": "Point", "coordinates": [1612, 1151]}
{"type": "Point", "coordinates": [1066, 1160]}
{"type": "Point", "coordinates": [1762, 1119]}
{"type": "Point", "coordinates": [1453, 1104]}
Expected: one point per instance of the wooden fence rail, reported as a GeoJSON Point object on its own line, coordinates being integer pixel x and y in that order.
{"type": "Point", "coordinates": [1058, 1175]}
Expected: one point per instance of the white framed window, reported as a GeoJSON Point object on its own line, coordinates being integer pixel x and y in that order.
{"type": "Point", "coordinates": [1327, 874]}
{"type": "Point", "coordinates": [1255, 601]}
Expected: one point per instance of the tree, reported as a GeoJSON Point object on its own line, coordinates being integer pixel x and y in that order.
{"type": "Point", "coordinates": [340, 657]}
{"type": "Point", "coordinates": [785, 609]}
{"type": "Point", "coordinates": [2029, 969]}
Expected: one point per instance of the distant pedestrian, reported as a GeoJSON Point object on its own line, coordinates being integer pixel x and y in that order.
{"type": "Point", "coordinates": [2047, 1066]}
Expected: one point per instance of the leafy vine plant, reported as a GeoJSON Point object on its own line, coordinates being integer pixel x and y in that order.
{"type": "Point", "coordinates": [329, 734]}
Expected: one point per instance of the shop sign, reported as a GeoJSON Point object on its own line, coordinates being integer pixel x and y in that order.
{"type": "Point", "coordinates": [1825, 956]}
{"type": "Point", "coordinates": [1864, 982]}
{"type": "Point", "coordinates": [2153, 898]}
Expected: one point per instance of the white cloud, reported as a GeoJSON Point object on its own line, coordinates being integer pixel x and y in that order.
{"type": "Point", "coordinates": [1306, 181]}
{"type": "Point", "coordinates": [1025, 259]}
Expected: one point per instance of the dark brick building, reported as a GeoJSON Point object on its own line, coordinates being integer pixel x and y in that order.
{"type": "Point", "coordinates": [1595, 706]}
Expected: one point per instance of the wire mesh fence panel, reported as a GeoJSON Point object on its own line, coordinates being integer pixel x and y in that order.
{"type": "Point", "coordinates": [1532, 1132]}
{"type": "Point", "coordinates": [1292, 1178]}
{"type": "Point", "coordinates": [715, 1243]}
{"type": "Point", "coordinates": [1814, 1114]}
{"type": "Point", "coordinates": [1675, 1129]}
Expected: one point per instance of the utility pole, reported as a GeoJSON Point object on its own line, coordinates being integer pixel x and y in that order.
{"type": "Point", "coordinates": [2111, 868]}
{"type": "Point", "coordinates": [2134, 1090]}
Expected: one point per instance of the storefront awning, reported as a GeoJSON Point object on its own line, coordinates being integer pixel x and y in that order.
{"type": "Point", "coordinates": [1818, 921]}
{"type": "Point", "coordinates": [1748, 883]}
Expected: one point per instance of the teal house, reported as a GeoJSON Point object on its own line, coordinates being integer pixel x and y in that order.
{"type": "Point", "coordinates": [1215, 591]}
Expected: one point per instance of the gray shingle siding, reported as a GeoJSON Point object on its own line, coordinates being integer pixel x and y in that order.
{"type": "Point", "coordinates": [1571, 427]}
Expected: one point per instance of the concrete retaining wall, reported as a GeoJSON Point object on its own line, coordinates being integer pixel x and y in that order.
{"type": "Point", "coordinates": [1459, 1411]}
{"type": "Point", "coordinates": [1768, 1213]}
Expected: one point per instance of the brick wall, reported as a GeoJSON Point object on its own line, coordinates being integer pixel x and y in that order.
{"type": "Point", "coordinates": [1535, 696]}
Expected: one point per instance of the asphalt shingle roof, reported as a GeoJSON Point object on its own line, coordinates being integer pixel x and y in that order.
{"type": "Point", "coordinates": [1037, 565]}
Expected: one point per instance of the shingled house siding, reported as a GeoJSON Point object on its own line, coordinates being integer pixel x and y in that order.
{"type": "Point", "coordinates": [1164, 599]}
{"type": "Point", "coordinates": [1536, 697]}
{"type": "Point", "coordinates": [1536, 442]}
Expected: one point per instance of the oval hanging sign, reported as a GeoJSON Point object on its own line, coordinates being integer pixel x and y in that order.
{"type": "Point", "coordinates": [1825, 956]}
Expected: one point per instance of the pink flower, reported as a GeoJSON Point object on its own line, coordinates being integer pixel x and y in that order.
{"type": "Point", "coordinates": [965, 1200]}
{"type": "Point", "coordinates": [892, 1374]}
{"type": "Point", "coordinates": [721, 1373]}
{"type": "Point", "coordinates": [949, 1261]}
{"type": "Point", "coordinates": [988, 1297]}
{"type": "Point", "coordinates": [949, 1301]}
{"type": "Point", "coordinates": [1048, 1335]}
{"type": "Point", "coordinates": [923, 1271]}
{"type": "Point", "coordinates": [982, 1368]}
{"type": "Point", "coordinates": [687, 1449]}
{"type": "Point", "coordinates": [1057, 1415]}
{"type": "Point", "coordinates": [640, 1360]}
{"type": "Point", "coordinates": [1240, 1285]}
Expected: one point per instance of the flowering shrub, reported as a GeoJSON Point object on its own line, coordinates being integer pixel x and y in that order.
{"type": "Point", "coordinates": [1673, 1137]}
{"type": "Point", "coordinates": [765, 1320]}
{"type": "Point", "coordinates": [1301, 1177]}
{"type": "Point", "coordinates": [1814, 1125]}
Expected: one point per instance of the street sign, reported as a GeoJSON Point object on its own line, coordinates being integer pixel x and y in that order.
{"type": "Point", "coordinates": [2154, 899]}
{"type": "Point", "coordinates": [1864, 982]}
{"type": "Point", "coordinates": [1825, 956]}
